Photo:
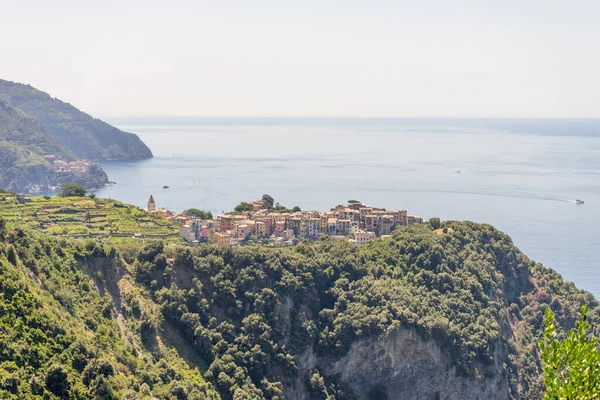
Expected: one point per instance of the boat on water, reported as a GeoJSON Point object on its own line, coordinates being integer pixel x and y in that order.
{"type": "Point", "coordinates": [578, 201]}
{"type": "Point", "coordinates": [165, 187]}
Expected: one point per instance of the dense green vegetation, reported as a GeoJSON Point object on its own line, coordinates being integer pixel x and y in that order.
{"type": "Point", "coordinates": [269, 203]}
{"type": "Point", "coordinates": [571, 365]}
{"type": "Point", "coordinates": [18, 128]}
{"type": "Point", "coordinates": [242, 207]}
{"type": "Point", "coordinates": [250, 312]}
{"type": "Point", "coordinates": [242, 319]}
{"type": "Point", "coordinates": [74, 325]}
{"type": "Point", "coordinates": [83, 135]}
{"type": "Point", "coordinates": [282, 209]}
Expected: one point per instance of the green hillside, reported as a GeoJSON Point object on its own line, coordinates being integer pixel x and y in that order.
{"type": "Point", "coordinates": [73, 324]}
{"type": "Point", "coordinates": [21, 130]}
{"type": "Point", "coordinates": [23, 145]}
{"type": "Point", "coordinates": [450, 313]}
{"type": "Point", "coordinates": [263, 311]}
{"type": "Point", "coordinates": [82, 216]}
{"type": "Point", "coordinates": [83, 135]}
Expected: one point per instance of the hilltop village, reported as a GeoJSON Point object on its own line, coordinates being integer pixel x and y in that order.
{"type": "Point", "coordinates": [262, 222]}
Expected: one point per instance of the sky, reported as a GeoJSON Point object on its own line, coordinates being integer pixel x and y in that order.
{"type": "Point", "coordinates": [451, 58]}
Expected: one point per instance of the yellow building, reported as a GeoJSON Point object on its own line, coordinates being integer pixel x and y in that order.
{"type": "Point", "coordinates": [323, 223]}
{"type": "Point", "coordinates": [260, 229]}
{"type": "Point", "coordinates": [220, 238]}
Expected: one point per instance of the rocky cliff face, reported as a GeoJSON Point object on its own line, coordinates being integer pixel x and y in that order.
{"type": "Point", "coordinates": [41, 178]}
{"type": "Point", "coordinates": [402, 366]}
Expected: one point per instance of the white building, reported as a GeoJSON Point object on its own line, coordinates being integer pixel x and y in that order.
{"type": "Point", "coordinates": [186, 232]}
{"type": "Point", "coordinates": [361, 237]}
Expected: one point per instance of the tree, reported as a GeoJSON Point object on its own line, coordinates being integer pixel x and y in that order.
{"type": "Point", "coordinates": [195, 213]}
{"type": "Point", "coordinates": [72, 189]}
{"type": "Point", "coordinates": [571, 366]}
{"type": "Point", "coordinates": [243, 207]}
{"type": "Point", "coordinates": [102, 390]}
{"type": "Point", "coordinates": [296, 209]}
{"type": "Point", "coordinates": [2, 228]}
{"type": "Point", "coordinates": [435, 223]}
{"type": "Point", "coordinates": [57, 381]}
{"type": "Point", "coordinates": [150, 251]}
{"type": "Point", "coordinates": [183, 256]}
{"type": "Point", "coordinates": [268, 200]}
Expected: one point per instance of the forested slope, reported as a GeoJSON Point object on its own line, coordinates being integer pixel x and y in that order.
{"type": "Point", "coordinates": [23, 144]}
{"type": "Point", "coordinates": [266, 319]}
{"type": "Point", "coordinates": [67, 329]}
{"type": "Point", "coordinates": [19, 129]}
{"type": "Point", "coordinates": [85, 136]}
{"type": "Point", "coordinates": [437, 314]}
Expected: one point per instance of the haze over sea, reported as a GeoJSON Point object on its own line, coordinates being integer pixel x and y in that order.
{"type": "Point", "coordinates": [520, 175]}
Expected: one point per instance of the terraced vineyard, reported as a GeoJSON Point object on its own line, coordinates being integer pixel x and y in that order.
{"type": "Point", "coordinates": [83, 216]}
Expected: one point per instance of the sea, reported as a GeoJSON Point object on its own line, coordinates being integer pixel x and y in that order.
{"type": "Point", "coordinates": [521, 175]}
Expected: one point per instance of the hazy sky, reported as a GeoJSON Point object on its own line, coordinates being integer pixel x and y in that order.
{"type": "Point", "coordinates": [309, 58]}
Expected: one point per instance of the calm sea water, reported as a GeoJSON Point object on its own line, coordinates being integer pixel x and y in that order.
{"type": "Point", "coordinates": [522, 176]}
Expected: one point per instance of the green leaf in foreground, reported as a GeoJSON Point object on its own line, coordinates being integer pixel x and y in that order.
{"type": "Point", "coordinates": [571, 366]}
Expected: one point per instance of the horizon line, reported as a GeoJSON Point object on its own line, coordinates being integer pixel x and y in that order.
{"type": "Point", "coordinates": [344, 117]}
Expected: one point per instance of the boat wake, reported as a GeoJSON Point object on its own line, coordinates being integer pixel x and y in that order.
{"type": "Point", "coordinates": [482, 193]}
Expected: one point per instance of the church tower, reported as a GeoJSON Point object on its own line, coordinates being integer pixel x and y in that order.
{"type": "Point", "coordinates": [151, 204]}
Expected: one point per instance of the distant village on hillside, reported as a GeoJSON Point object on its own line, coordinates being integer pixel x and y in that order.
{"type": "Point", "coordinates": [77, 168]}
{"type": "Point", "coordinates": [263, 222]}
